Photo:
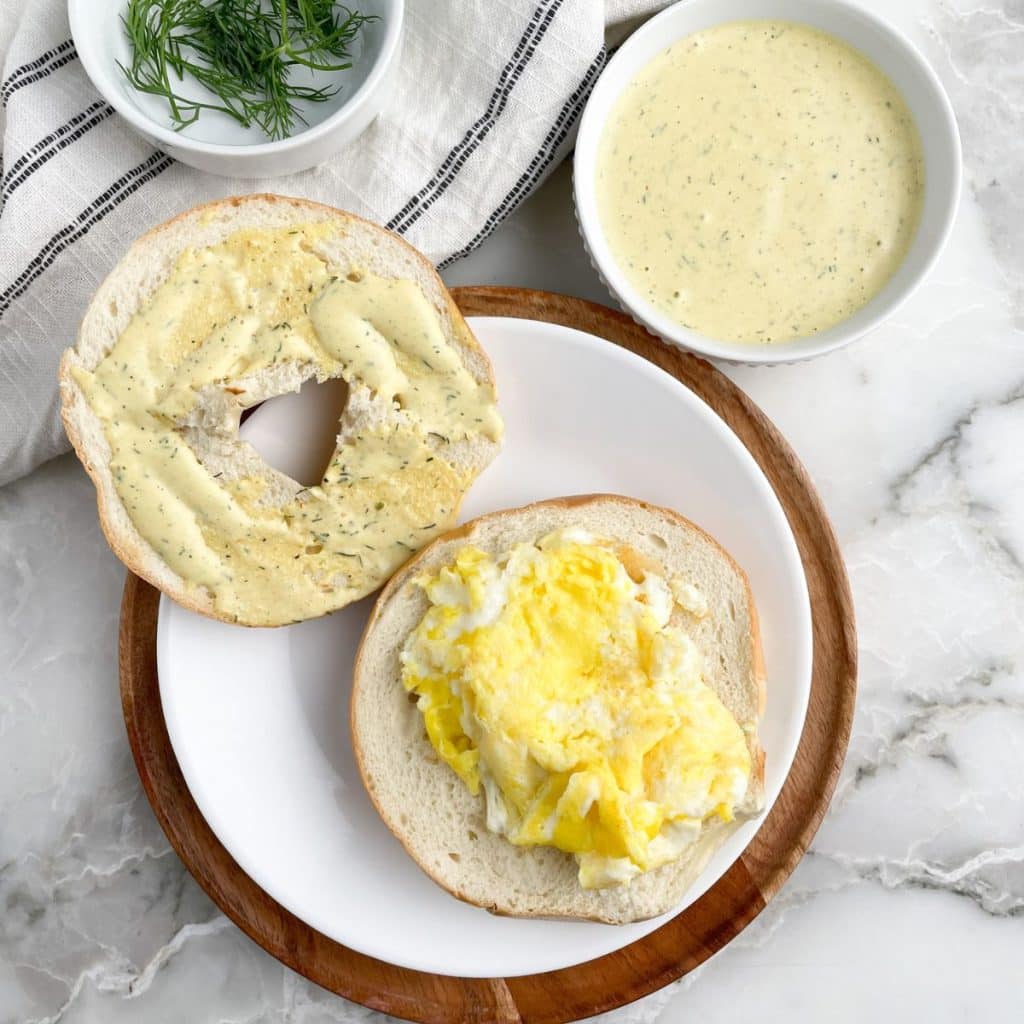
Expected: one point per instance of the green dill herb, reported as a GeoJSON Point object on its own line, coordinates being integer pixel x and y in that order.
{"type": "Point", "coordinates": [242, 51]}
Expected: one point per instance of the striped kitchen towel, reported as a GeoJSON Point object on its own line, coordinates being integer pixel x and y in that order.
{"type": "Point", "coordinates": [489, 95]}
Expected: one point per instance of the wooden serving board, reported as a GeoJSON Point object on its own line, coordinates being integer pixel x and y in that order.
{"type": "Point", "coordinates": [679, 945]}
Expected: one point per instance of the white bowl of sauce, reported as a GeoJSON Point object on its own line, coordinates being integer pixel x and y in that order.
{"type": "Point", "coordinates": [763, 181]}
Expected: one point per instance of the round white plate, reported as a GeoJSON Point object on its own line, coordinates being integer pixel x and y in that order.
{"type": "Point", "coordinates": [259, 718]}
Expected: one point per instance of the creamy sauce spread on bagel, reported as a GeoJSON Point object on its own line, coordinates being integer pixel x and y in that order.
{"type": "Point", "coordinates": [248, 318]}
{"type": "Point", "coordinates": [759, 181]}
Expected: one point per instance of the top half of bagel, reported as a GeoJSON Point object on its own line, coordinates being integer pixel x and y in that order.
{"type": "Point", "coordinates": [235, 302]}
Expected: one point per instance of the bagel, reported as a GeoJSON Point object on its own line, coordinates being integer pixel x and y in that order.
{"type": "Point", "coordinates": [442, 825]}
{"type": "Point", "coordinates": [233, 303]}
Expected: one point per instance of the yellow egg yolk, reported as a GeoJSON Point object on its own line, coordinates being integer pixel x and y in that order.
{"type": "Point", "coordinates": [554, 681]}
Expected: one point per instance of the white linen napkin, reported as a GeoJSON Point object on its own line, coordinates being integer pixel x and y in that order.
{"type": "Point", "coordinates": [487, 101]}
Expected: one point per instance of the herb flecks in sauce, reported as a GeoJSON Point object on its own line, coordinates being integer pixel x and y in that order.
{"type": "Point", "coordinates": [225, 315]}
{"type": "Point", "coordinates": [759, 181]}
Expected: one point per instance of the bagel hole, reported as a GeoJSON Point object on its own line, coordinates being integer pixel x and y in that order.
{"type": "Point", "coordinates": [304, 431]}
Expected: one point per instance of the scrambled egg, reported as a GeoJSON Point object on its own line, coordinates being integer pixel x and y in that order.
{"type": "Point", "coordinates": [553, 681]}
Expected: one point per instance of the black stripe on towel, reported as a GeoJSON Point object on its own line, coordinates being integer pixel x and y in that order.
{"type": "Point", "coordinates": [541, 160]}
{"type": "Point", "coordinates": [538, 25]}
{"type": "Point", "coordinates": [38, 68]}
{"type": "Point", "coordinates": [49, 146]}
{"type": "Point", "coordinates": [128, 183]}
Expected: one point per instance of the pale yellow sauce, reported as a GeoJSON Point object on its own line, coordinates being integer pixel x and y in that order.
{"type": "Point", "coordinates": [258, 300]}
{"type": "Point", "coordinates": [759, 181]}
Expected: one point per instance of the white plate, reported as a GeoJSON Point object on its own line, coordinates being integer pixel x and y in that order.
{"type": "Point", "coordinates": [259, 718]}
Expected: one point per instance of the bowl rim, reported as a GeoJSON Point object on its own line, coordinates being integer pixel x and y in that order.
{"type": "Point", "coordinates": [78, 10]}
{"type": "Point", "coordinates": [592, 123]}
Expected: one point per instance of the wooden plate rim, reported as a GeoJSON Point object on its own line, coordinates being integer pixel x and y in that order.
{"type": "Point", "coordinates": [679, 945]}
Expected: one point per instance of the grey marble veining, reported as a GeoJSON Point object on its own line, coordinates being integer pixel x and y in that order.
{"type": "Point", "coordinates": [911, 903]}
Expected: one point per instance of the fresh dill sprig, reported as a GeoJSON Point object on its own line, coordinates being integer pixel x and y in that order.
{"type": "Point", "coordinates": [242, 51]}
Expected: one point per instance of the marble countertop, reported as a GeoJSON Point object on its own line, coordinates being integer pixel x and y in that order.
{"type": "Point", "coordinates": [911, 901]}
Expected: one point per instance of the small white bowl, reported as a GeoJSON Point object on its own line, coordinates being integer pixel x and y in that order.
{"type": "Point", "coordinates": [218, 144]}
{"type": "Point", "coordinates": [881, 43]}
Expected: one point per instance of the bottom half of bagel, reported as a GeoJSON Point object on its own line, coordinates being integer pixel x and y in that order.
{"type": "Point", "coordinates": [427, 806]}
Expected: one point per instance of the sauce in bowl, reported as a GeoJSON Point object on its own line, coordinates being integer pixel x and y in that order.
{"type": "Point", "coordinates": [759, 181]}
